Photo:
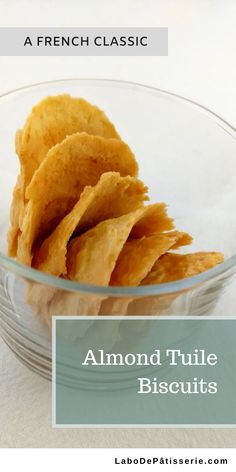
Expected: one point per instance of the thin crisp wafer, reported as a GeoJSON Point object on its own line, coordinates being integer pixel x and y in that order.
{"type": "Point", "coordinates": [138, 256]}
{"type": "Point", "coordinates": [91, 258]}
{"type": "Point", "coordinates": [172, 266]}
{"type": "Point", "coordinates": [112, 196]}
{"type": "Point", "coordinates": [50, 121]}
{"type": "Point", "coordinates": [57, 184]}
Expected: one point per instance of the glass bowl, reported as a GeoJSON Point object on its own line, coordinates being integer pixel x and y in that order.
{"type": "Point", "coordinates": [186, 156]}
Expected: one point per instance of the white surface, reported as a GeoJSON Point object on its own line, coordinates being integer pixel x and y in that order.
{"type": "Point", "coordinates": [201, 65]}
{"type": "Point", "coordinates": [107, 460]}
{"type": "Point", "coordinates": [201, 61]}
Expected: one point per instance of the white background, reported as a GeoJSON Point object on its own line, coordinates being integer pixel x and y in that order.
{"type": "Point", "coordinates": [201, 62]}
{"type": "Point", "coordinates": [97, 459]}
{"type": "Point", "coordinates": [201, 65]}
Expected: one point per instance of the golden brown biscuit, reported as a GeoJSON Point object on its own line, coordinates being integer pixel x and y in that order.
{"type": "Point", "coordinates": [50, 121]}
{"type": "Point", "coordinates": [112, 196]}
{"type": "Point", "coordinates": [172, 267]}
{"type": "Point", "coordinates": [134, 263]}
{"type": "Point", "coordinates": [17, 207]}
{"type": "Point", "coordinates": [91, 258]}
{"type": "Point", "coordinates": [57, 184]}
{"type": "Point", "coordinates": [138, 256]}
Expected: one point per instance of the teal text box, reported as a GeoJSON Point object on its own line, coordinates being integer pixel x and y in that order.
{"type": "Point", "coordinates": [168, 372]}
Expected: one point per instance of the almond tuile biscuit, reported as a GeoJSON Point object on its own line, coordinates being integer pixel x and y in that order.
{"type": "Point", "coordinates": [138, 256]}
{"type": "Point", "coordinates": [135, 262]}
{"type": "Point", "coordinates": [171, 267]}
{"type": "Point", "coordinates": [85, 256]}
{"type": "Point", "coordinates": [49, 122]}
{"type": "Point", "coordinates": [111, 197]}
{"type": "Point", "coordinates": [57, 184]}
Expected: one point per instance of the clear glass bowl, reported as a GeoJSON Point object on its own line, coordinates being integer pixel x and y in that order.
{"type": "Point", "coordinates": [186, 156]}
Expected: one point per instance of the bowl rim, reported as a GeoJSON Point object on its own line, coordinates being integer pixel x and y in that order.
{"type": "Point", "coordinates": [114, 291]}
